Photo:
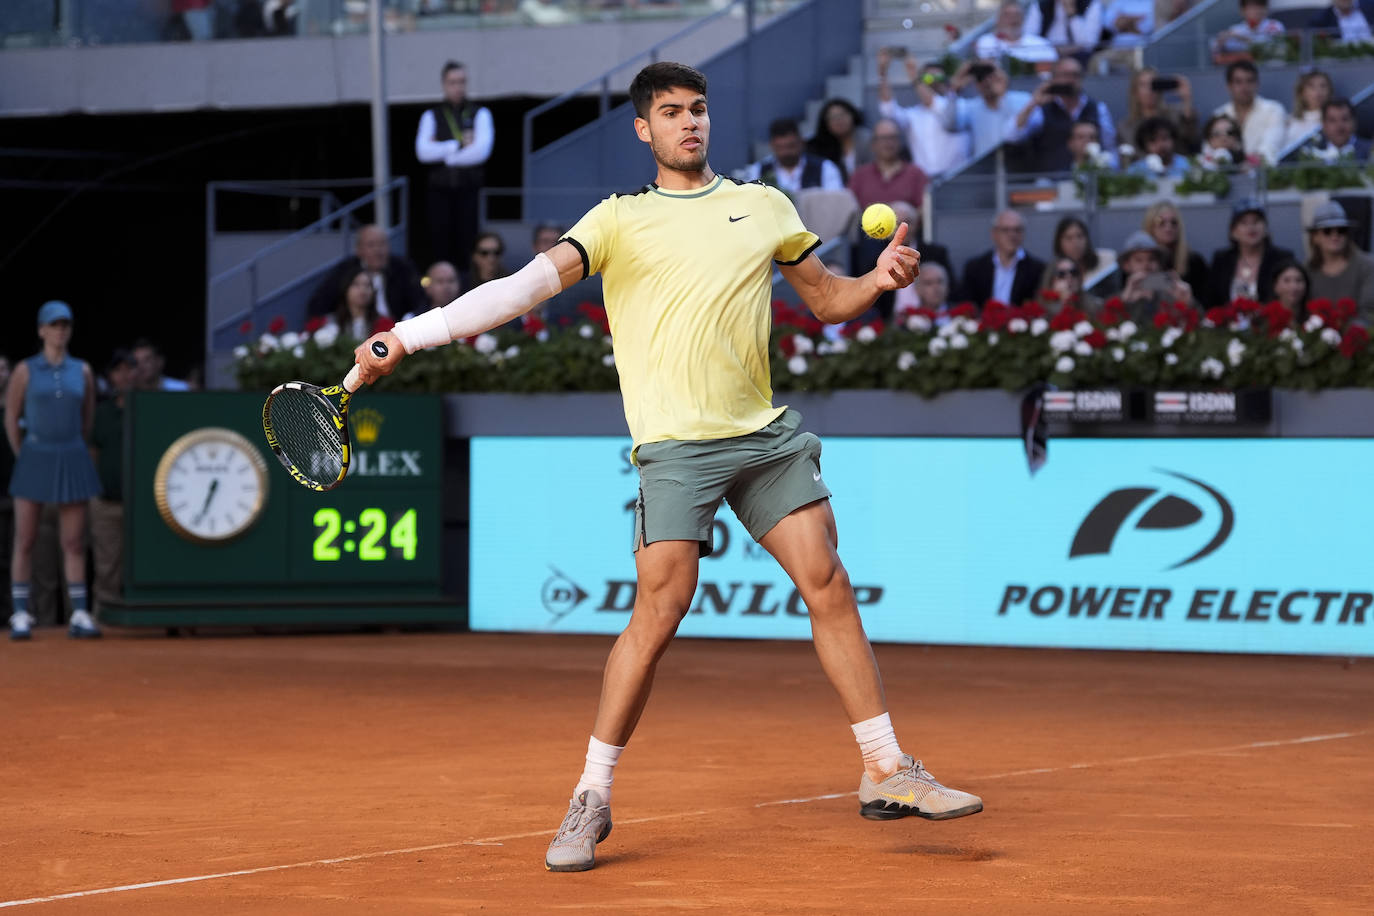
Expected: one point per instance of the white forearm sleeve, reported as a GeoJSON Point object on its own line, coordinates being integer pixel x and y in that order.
{"type": "Point", "coordinates": [488, 306]}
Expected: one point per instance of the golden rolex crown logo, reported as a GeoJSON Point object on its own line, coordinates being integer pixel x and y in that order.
{"type": "Point", "coordinates": [367, 425]}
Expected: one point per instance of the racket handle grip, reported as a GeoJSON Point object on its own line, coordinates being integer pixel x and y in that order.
{"type": "Point", "coordinates": [351, 381]}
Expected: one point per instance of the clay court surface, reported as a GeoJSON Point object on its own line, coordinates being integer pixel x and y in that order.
{"type": "Point", "coordinates": [425, 773]}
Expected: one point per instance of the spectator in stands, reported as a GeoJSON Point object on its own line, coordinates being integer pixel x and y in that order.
{"type": "Point", "coordinates": [1255, 28]}
{"type": "Point", "coordinates": [840, 136]}
{"type": "Point", "coordinates": [1245, 270]}
{"type": "Point", "coordinates": [930, 291]}
{"type": "Point", "coordinates": [107, 508]}
{"type": "Point", "coordinates": [561, 310]}
{"type": "Point", "coordinates": [1148, 99]}
{"type": "Point", "coordinates": [1064, 278]}
{"type": "Point", "coordinates": [1157, 139]}
{"type": "Point", "coordinates": [1352, 21]}
{"type": "Point", "coordinates": [1312, 90]}
{"type": "Point", "coordinates": [150, 365]}
{"type": "Point", "coordinates": [355, 312]}
{"type": "Point", "coordinates": [1085, 148]}
{"type": "Point", "coordinates": [1074, 27]}
{"type": "Point", "coordinates": [454, 139]}
{"type": "Point", "coordinates": [49, 407]}
{"type": "Point", "coordinates": [1336, 268]}
{"type": "Point", "coordinates": [1337, 139]}
{"type": "Point", "coordinates": [393, 277]}
{"type": "Point", "coordinates": [441, 284]}
{"type": "Point", "coordinates": [789, 168]}
{"type": "Point", "coordinates": [1044, 125]}
{"type": "Point", "coordinates": [1009, 37]}
{"type": "Point", "coordinates": [987, 118]}
{"type": "Point", "coordinates": [1072, 242]}
{"type": "Point", "coordinates": [1262, 121]}
{"type": "Point", "coordinates": [1128, 25]}
{"type": "Point", "coordinates": [545, 236]}
{"type": "Point", "coordinates": [486, 260]}
{"type": "Point", "coordinates": [196, 18]}
{"type": "Point", "coordinates": [1006, 272]}
{"type": "Point", "coordinates": [1291, 285]}
{"type": "Point", "coordinates": [1164, 224]}
{"type": "Point", "coordinates": [1148, 282]}
{"type": "Point", "coordinates": [888, 177]}
{"type": "Point", "coordinates": [933, 148]}
{"type": "Point", "coordinates": [1222, 146]}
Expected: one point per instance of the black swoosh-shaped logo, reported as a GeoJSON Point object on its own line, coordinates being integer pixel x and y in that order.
{"type": "Point", "coordinates": [1228, 519]}
{"type": "Point", "coordinates": [735, 219]}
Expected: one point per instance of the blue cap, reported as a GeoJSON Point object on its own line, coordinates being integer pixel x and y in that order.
{"type": "Point", "coordinates": [1248, 205]}
{"type": "Point", "coordinates": [54, 310]}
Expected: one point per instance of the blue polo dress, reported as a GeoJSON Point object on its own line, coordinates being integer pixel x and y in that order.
{"type": "Point", "coordinates": [53, 465]}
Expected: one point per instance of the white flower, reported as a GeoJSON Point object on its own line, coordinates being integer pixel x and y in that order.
{"type": "Point", "coordinates": [1212, 367]}
{"type": "Point", "coordinates": [1235, 352]}
{"type": "Point", "coordinates": [839, 345]}
{"type": "Point", "coordinates": [1083, 328]}
{"type": "Point", "coordinates": [485, 344]}
{"type": "Point", "coordinates": [1154, 163]}
{"type": "Point", "coordinates": [1082, 348]}
{"type": "Point", "coordinates": [1171, 358]}
{"type": "Point", "coordinates": [512, 351]}
{"type": "Point", "coordinates": [919, 324]}
{"type": "Point", "coordinates": [968, 325]}
{"type": "Point", "coordinates": [541, 335]}
{"type": "Point", "coordinates": [1017, 326]}
{"type": "Point", "coordinates": [1327, 153]}
{"type": "Point", "coordinates": [1139, 346]}
{"type": "Point", "coordinates": [240, 352]}
{"type": "Point", "coordinates": [993, 338]}
{"type": "Point", "coordinates": [866, 334]}
{"type": "Point", "coordinates": [608, 360]}
{"type": "Point", "coordinates": [268, 342]}
{"type": "Point", "coordinates": [1118, 354]}
{"type": "Point", "coordinates": [803, 344]}
{"type": "Point", "coordinates": [1112, 334]}
{"type": "Point", "coordinates": [1062, 340]}
{"type": "Point", "coordinates": [290, 339]}
{"type": "Point", "coordinates": [959, 342]}
{"type": "Point", "coordinates": [1331, 337]}
{"type": "Point", "coordinates": [1125, 151]}
{"type": "Point", "coordinates": [949, 329]}
{"type": "Point", "coordinates": [586, 331]}
{"type": "Point", "coordinates": [797, 365]}
{"type": "Point", "coordinates": [1127, 329]}
{"type": "Point", "coordinates": [1296, 343]}
{"type": "Point", "coordinates": [1313, 323]}
{"type": "Point", "coordinates": [1039, 326]}
{"type": "Point", "coordinates": [1168, 338]}
{"type": "Point", "coordinates": [824, 349]}
{"type": "Point", "coordinates": [1065, 364]}
{"type": "Point", "coordinates": [1287, 334]}
{"type": "Point", "coordinates": [938, 345]}
{"type": "Point", "coordinates": [298, 351]}
{"type": "Point", "coordinates": [1093, 149]}
{"type": "Point", "coordinates": [327, 334]}
{"type": "Point", "coordinates": [905, 360]}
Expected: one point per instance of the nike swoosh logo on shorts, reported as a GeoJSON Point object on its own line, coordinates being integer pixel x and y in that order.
{"type": "Point", "coordinates": [735, 219]}
{"type": "Point", "coordinates": [816, 475]}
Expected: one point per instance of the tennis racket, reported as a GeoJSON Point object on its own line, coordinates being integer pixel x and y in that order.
{"type": "Point", "coordinates": [307, 429]}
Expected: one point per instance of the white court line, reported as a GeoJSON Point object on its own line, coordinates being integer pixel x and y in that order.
{"type": "Point", "coordinates": [495, 840]}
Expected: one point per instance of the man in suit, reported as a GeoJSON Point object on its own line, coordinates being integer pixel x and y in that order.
{"type": "Point", "coordinates": [1337, 139]}
{"type": "Point", "coordinates": [790, 168]}
{"type": "Point", "coordinates": [1354, 21]}
{"type": "Point", "coordinates": [1006, 273]}
{"type": "Point", "coordinates": [393, 277]}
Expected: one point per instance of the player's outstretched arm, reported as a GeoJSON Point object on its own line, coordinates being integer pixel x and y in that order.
{"type": "Point", "coordinates": [839, 299]}
{"type": "Point", "coordinates": [479, 309]}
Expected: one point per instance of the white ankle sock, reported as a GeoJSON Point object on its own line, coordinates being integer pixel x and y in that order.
{"type": "Point", "coordinates": [600, 769]}
{"type": "Point", "coordinates": [878, 743]}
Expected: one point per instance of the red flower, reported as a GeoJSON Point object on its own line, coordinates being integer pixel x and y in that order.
{"type": "Point", "coordinates": [878, 326]}
{"type": "Point", "coordinates": [967, 310]}
{"type": "Point", "coordinates": [1049, 295]}
{"type": "Point", "coordinates": [1162, 319]}
{"type": "Point", "coordinates": [1355, 340]}
{"type": "Point", "coordinates": [383, 323]}
{"type": "Point", "coordinates": [1114, 311]}
{"type": "Point", "coordinates": [810, 326]}
{"type": "Point", "coordinates": [277, 326]}
{"type": "Point", "coordinates": [246, 327]}
{"type": "Point", "coordinates": [995, 317]}
{"type": "Point", "coordinates": [1068, 317]}
{"type": "Point", "coordinates": [1097, 340]}
{"type": "Point", "coordinates": [1276, 317]}
{"type": "Point", "coordinates": [534, 324]}
{"type": "Point", "coordinates": [788, 344]}
{"type": "Point", "coordinates": [1030, 309]}
{"type": "Point", "coordinates": [314, 324]}
{"type": "Point", "coordinates": [1222, 315]}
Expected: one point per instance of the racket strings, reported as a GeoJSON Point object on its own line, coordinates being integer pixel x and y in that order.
{"type": "Point", "coordinates": [306, 433]}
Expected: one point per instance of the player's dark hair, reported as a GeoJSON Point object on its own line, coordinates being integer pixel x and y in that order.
{"type": "Point", "coordinates": [1246, 65]}
{"type": "Point", "coordinates": [783, 127]}
{"type": "Point", "coordinates": [449, 67]}
{"type": "Point", "coordinates": [663, 76]}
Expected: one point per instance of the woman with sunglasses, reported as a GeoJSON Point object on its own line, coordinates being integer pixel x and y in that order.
{"type": "Point", "coordinates": [1071, 241]}
{"type": "Point", "coordinates": [1337, 268]}
{"type": "Point", "coordinates": [1165, 225]}
{"type": "Point", "coordinates": [1222, 146]}
{"type": "Point", "coordinates": [1065, 279]}
{"type": "Point", "coordinates": [486, 260]}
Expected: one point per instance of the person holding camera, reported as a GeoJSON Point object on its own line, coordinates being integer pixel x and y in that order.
{"type": "Point", "coordinates": [934, 149]}
{"type": "Point", "coordinates": [987, 118]}
{"type": "Point", "coordinates": [1045, 124]}
{"type": "Point", "coordinates": [1074, 27]}
{"type": "Point", "coordinates": [1148, 283]}
{"type": "Point", "coordinates": [1150, 98]}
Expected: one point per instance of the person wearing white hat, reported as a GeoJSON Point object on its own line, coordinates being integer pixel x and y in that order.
{"type": "Point", "coordinates": [1338, 269]}
{"type": "Point", "coordinates": [49, 409]}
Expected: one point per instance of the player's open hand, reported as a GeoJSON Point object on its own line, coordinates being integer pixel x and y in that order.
{"type": "Point", "coordinates": [372, 367]}
{"type": "Point", "coordinates": [898, 265]}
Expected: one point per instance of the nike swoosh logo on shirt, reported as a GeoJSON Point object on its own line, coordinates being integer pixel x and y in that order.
{"type": "Point", "coordinates": [735, 219]}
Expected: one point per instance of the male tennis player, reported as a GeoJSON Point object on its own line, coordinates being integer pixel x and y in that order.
{"type": "Point", "coordinates": [686, 264]}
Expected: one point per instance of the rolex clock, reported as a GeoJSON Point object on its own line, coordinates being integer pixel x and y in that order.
{"type": "Point", "coordinates": [210, 485]}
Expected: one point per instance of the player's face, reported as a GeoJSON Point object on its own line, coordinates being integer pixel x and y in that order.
{"type": "Point", "coordinates": [678, 130]}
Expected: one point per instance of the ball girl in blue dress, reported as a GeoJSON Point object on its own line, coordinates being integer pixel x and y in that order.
{"type": "Point", "coordinates": [49, 408]}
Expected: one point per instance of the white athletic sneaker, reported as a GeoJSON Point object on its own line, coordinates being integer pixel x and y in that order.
{"type": "Point", "coordinates": [913, 791]}
{"type": "Point", "coordinates": [20, 626]}
{"type": "Point", "coordinates": [82, 626]}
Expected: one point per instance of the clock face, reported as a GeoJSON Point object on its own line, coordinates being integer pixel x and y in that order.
{"type": "Point", "coordinates": [211, 485]}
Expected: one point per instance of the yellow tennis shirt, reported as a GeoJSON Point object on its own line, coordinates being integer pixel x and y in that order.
{"type": "Point", "coordinates": [687, 278]}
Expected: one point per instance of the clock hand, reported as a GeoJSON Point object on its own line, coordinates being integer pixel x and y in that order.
{"type": "Point", "coordinates": [214, 485]}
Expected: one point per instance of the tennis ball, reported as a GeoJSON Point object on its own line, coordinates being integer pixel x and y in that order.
{"type": "Point", "coordinates": [879, 221]}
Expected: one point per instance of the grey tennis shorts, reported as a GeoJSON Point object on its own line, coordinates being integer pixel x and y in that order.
{"type": "Point", "coordinates": [763, 475]}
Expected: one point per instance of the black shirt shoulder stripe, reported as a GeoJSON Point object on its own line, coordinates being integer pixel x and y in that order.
{"type": "Point", "coordinates": [741, 182]}
{"type": "Point", "coordinates": [586, 262]}
{"type": "Point", "coordinates": [804, 255]}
